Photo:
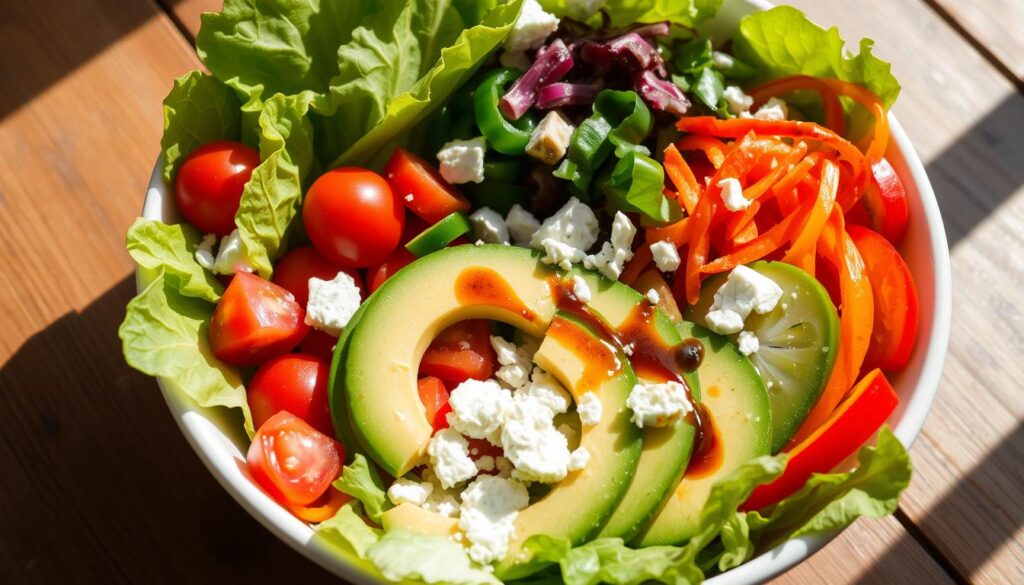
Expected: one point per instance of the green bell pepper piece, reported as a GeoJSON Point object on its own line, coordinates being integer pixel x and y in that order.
{"type": "Point", "coordinates": [636, 184]}
{"type": "Point", "coordinates": [439, 235]}
{"type": "Point", "coordinates": [502, 135]}
{"type": "Point", "coordinates": [619, 118]}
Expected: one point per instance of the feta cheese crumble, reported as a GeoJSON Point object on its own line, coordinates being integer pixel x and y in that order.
{"type": "Point", "coordinates": [653, 297]}
{"type": "Point", "coordinates": [532, 443]}
{"type": "Point", "coordinates": [584, 9]}
{"type": "Point", "coordinates": [657, 405]}
{"type": "Point", "coordinates": [617, 251]}
{"type": "Point", "coordinates": [574, 225]}
{"type": "Point", "coordinates": [560, 254]}
{"type": "Point", "coordinates": [736, 100]}
{"type": "Point", "coordinates": [744, 291]}
{"type": "Point", "coordinates": [489, 509]}
{"type": "Point", "coordinates": [462, 161]}
{"type": "Point", "coordinates": [732, 195]}
{"type": "Point", "coordinates": [516, 363]}
{"type": "Point", "coordinates": [478, 408]}
{"type": "Point", "coordinates": [581, 289]}
{"type": "Point", "coordinates": [449, 456]}
{"type": "Point", "coordinates": [407, 491]}
{"type": "Point", "coordinates": [579, 459]}
{"type": "Point", "coordinates": [588, 407]}
{"type": "Point", "coordinates": [204, 252]}
{"type": "Point", "coordinates": [532, 28]}
{"type": "Point", "coordinates": [231, 256]}
{"type": "Point", "coordinates": [545, 389]}
{"type": "Point", "coordinates": [550, 139]}
{"type": "Point", "coordinates": [748, 342]}
{"type": "Point", "coordinates": [774, 109]}
{"type": "Point", "coordinates": [489, 226]}
{"type": "Point", "coordinates": [722, 60]}
{"type": "Point", "coordinates": [666, 256]}
{"type": "Point", "coordinates": [485, 463]}
{"type": "Point", "coordinates": [521, 225]}
{"type": "Point", "coordinates": [332, 303]}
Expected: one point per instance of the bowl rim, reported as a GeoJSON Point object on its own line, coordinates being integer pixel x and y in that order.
{"type": "Point", "coordinates": [214, 448]}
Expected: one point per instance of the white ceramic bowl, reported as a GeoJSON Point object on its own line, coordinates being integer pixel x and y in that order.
{"type": "Point", "coordinates": [219, 441]}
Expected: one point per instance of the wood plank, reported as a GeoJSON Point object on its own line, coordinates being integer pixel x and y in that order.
{"type": "Point", "coordinates": [964, 118]}
{"type": "Point", "coordinates": [98, 484]}
{"type": "Point", "coordinates": [995, 24]}
{"type": "Point", "coordinates": [187, 11]}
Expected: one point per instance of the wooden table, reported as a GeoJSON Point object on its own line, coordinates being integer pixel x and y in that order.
{"type": "Point", "coordinates": [97, 483]}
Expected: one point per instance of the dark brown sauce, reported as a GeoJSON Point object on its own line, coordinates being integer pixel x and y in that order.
{"type": "Point", "coordinates": [483, 286]}
{"type": "Point", "coordinates": [708, 452]}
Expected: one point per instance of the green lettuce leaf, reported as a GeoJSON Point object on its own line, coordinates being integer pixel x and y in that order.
{"type": "Point", "coordinates": [361, 481]}
{"type": "Point", "coordinates": [372, 101]}
{"type": "Point", "coordinates": [783, 41]}
{"type": "Point", "coordinates": [348, 526]}
{"type": "Point", "coordinates": [401, 555]}
{"type": "Point", "coordinates": [627, 12]}
{"type": "Point", "coordinates": [171, 248]}
{"type": "Point", "coordinates": [164, 334]}
{"type": "Point", "coordinates": [199, 109]}
{"type": "Point", "coordinates": [272, 198]}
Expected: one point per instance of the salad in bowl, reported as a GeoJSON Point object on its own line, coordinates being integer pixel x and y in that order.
{"type": "Point", "coordinates": [581, 291]}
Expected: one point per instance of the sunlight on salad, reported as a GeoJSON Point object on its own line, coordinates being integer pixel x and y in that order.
{"type": "Point", "coordinates": [559, 290]}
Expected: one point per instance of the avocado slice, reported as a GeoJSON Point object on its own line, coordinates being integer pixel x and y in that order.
{"type": "Point", "coordinates": [740, 411]}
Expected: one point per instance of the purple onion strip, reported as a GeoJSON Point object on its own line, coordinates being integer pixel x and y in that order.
{"type": "Point", "coordinates": [549, 67]}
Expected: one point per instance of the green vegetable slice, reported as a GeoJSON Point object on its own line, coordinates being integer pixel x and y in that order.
{"type": "Point", "coordinates": [503, 135]}
{"type": "Point", "coordinates": [439, 235]}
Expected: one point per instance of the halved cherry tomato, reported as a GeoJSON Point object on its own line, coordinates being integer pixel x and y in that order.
{"type": "Point", "coordinates": [885, 202]}
{"type": "Point", "coordinates": [434, 396]}
{"type": "Point", "coordinates": [460, 352]}
{"type": "Point", "coordinates": [295, 383]}
{"type": "Point", "coordinates": [295, 268]}
{"type": "Point", "coordinates": [254, 321]}
{"type": "Point", "coordinates": [896, 304]}
{"type": "Point", "coordinates": [431, 197]}
{"type": "Point", "coordinates": [209, 184]}
{"type": "Point", "coordinates": [353, 217]}
{"type": "Point", "coordinates": [869, 404]}
{"type": "Point", "coordinates": [318, 344]}
{"type": "Point", "coordinates": [292, 461]}
{"type": "Point", "coordinates": [398, 260]}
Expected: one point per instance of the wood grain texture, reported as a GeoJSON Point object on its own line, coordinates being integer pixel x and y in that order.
{"type": "Point", "coordinates": [187, 12]}
{"type": "Point", "coordinates": [995, 24]}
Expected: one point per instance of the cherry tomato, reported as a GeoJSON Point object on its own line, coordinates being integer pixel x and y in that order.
{"type": "Point", "coordinates": [295, 268]}
{"type": "Point", "coordinates": [434, 397]}
{"type": "Point", "coordinates": [209, 184]}
{"type": "Point", "coordinates": [884, 204]}
{"type": "Point", "coordinates": [254, 321]}
{"type": "Point", "coordinates": [432, 199]}
{"type": "Point", "coordinates": [353, 218]}
{"type": "Point", "coordinates": [292, 461]}
{"type": "Point", "coordinates": [896, 303]}
{"type": "Point", "coordinates": [398, 260]}
{"type": "Point", "coordinates": [460, 352]}
{"type": "Point", "coordinates": [295, 383]}
{"type": "Point", "coordinates": [319, 344]}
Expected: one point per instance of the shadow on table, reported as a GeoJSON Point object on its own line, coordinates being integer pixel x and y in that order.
{"type": "Point", "coordinates": [986, 525]}
{"type": "Point", "coordinates": [979, 172]}
{"type": "Point", "coordinates": [99, 486]}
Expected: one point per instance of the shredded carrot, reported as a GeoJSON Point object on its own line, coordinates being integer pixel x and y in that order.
{"type": "Point", "coordinates": [835, 119]}
{"type": "Point", "coordinates": [804, 242]}
{"type": "Point", "coordinates": [682, 177]}
{"type": "Point", "coordinates": [700, 241]}
{"type": "Point", "coordinates": [713, 148]}
{"type": "Point", "coordinates": [641, 259]}
{"type": "Point", "coordinates": [678, 233]}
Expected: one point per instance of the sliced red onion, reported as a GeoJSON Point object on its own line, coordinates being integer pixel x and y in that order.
{"type": "Point", "coordinates": [550, 66]}
{"type": "Point", "coordinates": [660, 94]}
{"type": "Point", "coordinates": [633, 51]}
{"type": "Point", "coordinates": [654, 29]}
{"type": "Point", "coordinates": [557, 95]}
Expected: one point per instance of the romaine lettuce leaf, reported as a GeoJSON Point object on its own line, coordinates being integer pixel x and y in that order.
{"type": "Point", "coordinates": [164, 334]}
{"type": "Point", "coordinates": [348, 526]}
{"type": "Point", "coordinates": [627, 12]}
{"type": "Point", "coordinates": [783, 41]}
{"type": "Point", "coordinates": [401, 555]}
{"type": "Point", "coordinates": [361, 481]}
{"type": "Point", "coordinates": [198, 109]}
{"type": "Point", "coordinates": [171, 248]}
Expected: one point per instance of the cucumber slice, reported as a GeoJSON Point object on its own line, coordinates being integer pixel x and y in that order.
{"type": "Point", "coordinates": [798, 343]}
{"type": "Point", "coordinates": [439, 235]}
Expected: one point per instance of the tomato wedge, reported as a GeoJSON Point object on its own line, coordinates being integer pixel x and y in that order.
{"type": "Point", "coordinates": [254, 321]}
{"type": "Point", "coordinates": [885, 202]}
{"type": "Point", "coordinates": [870, 403]}
{"type": "Point", "coordinates": [295, 268]}
{"type": "Point", "coordinates": [292, 461]}
{"type": "Point", "coordinates": [398, 260]}
{"type": "Point", "coordinates": [434, 396]}
{"type": "Point", "coordinates": [295, 383]}
{"type": "Point", "coordinates": [895, 297]}
{"type": "Point", "coordinates": [460, 352]}
{"type": "Point", "coordinates": [431, 197]}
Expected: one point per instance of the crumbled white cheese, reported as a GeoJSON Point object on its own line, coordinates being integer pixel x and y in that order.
{"type": "Point", "coordinates": [653, 297]}
{"type": "Point", "coordinates": [449, 457]}
{"type": "Point", "coordinates": [231, 256]}
{"type": "Point", "coordinates": [532, 28]}
{"type": "Point", "coordinates": [442, 501]}
{"type": "Point", "coordinates": [489, 226]}
{"type": "Point", "coordinates": [485, 463]}
{"type": "Point", "coordinates": [744, 291]}
{"type": "Point", "coordinates": [628, 348]}
{"type": "Point", "coordinates": [531, 442]}
{"type": "Point", "coordinates": [204, 252]}
{"type": "Point", "coordinates": [617, 251]}
{"type": "Point", "coordinates": [560, 254]}
{"type": "Point", "coordinates": [407, 491]}
{"type": "Point", "coordinates": [462, 161]}
{"type": "Point", "coordinates": [722, 60]}
{"type": "Point", "coordinates": [748, 342]}
{"type": "Point", "coordinates": [544, 388]}
{"type": "Point", "coordinates": [515, 363]}
{"type": "Point", "coordinates": [521, 225]}
{"type": "Point", "coordinates": [478, 407]}
{"type": "Point", "coordinates": [584, 9]}
{"type": "Point", "coordinates": [774, 109]}
{"type": "Point", "coordinates": [574, 225]}
{"type": "Point", "coordinates": [581, 289]}
{"type": "Point", "coordinates": [666, 256]}
{"type": "Point", "coordinates": [487, 516]}
{"type": "Point", "coordinates": [589, 408]}
{"type": "Point", "coordinates": [657, 405]}
{"type": "Point", "coordinates": [332, 303]}
{"type": "Point", "coordinates": [503, 465]}
{"type": "Point", "coordinates": [732, 195]}
{"type": "Point", "coordinates": [579, 459]}
{"type": "Point", "coordinates": [550, 139]}
{"type": "Point", "coordinates": [409, 197]}
{"type": "Point", "coordinates": [736, 100]}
